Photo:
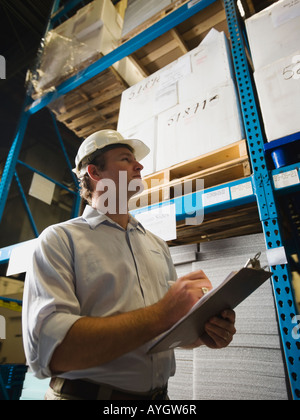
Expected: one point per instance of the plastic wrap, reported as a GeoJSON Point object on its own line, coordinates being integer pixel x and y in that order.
{"type": "Point", "coordinates": [93, 31]}
{"type": "Point", "coordinates": [56, 63]}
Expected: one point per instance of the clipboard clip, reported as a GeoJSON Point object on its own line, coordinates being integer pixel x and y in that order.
{"type": "Point", "coordinates": [254, 262]}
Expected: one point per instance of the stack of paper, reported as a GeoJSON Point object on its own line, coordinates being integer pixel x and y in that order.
{"type": "Point", "coordinates": [252, 367]}
{"type": "Point", "coordinates": [181, 385]}
{"type": "Point", "coordinates": [184, 254]}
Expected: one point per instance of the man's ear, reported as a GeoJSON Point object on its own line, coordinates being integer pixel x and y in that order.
{"type": "Point", "coordinates": [94, 172]}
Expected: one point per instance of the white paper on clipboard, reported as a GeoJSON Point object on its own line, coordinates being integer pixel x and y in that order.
{"type": "Point", "coordinates": [229, 294]}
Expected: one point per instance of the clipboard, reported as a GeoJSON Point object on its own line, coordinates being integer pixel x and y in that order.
{"type": "Point", "coordinates": [228, 295]}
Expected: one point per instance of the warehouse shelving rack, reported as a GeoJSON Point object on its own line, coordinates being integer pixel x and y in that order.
{"type": "Point", "coordinates": [262, 187]}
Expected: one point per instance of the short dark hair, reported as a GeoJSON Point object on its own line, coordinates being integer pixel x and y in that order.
{"type": "Point", "coordinates": [86, 187]}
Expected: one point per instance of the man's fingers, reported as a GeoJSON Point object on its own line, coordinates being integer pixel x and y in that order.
{"type": "Point", "coordinates": [229, 314]}
{"type": "Point", "coordinates": [195, 275]}
{"type": "Point", "coordinates": [221, 329]}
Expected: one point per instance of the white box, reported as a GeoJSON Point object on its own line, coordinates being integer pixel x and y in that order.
{"type": "Point", "coordinates": [274, 33]}
{"type": "Point", "coordinates": [190, 76]}
{"type": "Point", "coordinates": [153, 95]}
{"type": "Point", "coordinates": [139, 11]}
{"type": "Point", "coordinates": [87, 44]}
{"type": "Point", "coordinates": [128, 71]}
{"type": "Point", "coordinates": [145, 132]}
{"type": "Point", "coordinates": [100, 41]}
{"type": "Point", "coordinates": [138, 103]}
{"type": "Point", "coordinates": [199, 126]}
{"type": "Point", "coordinates": [278, 87]}
{"type": "Point", "coordinates": [93, 29]}
{"type": "Point", "coordinates": [94, 15]}
{"type": "Point", "coordinates": [211, 65]}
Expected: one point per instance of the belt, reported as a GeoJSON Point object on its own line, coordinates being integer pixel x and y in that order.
{"type": "Point", "coordinates": [85, 390]}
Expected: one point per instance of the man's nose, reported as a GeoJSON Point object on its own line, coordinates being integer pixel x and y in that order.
{"type": "Point", "coordinates": [138, 166]}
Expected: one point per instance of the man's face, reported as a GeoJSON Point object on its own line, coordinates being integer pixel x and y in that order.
{"type": "Point", "coordinates": [119, 181]}
{"type": "Point", "coordinates": [121, 159]}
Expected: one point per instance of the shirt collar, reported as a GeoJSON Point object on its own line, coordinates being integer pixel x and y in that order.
{"type": "Point", "coordinates": [94, 218]}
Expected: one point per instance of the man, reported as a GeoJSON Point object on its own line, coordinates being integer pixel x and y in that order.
{"type": "Point", "coordinates": [97, 292]}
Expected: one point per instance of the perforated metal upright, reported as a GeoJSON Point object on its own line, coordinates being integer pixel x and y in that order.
{"type": "Point", "coordinates": [282, 279]}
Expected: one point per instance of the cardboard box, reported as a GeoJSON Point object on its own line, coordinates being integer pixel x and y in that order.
{"type": "Point", "coordinates": [138, 103]}
{"type": "Point", "coordinates": [194, 98]}
{"type": "Point", "coordinates": [190, 76]}
{"type": "Point", "coordinates": [211, 65]}
{"type": "Point", "coordinates": [93, 29]}
{"type": "Point", "coordinates": [139, 11]}
{"type": "Point", "coordinates": [146, 132]}
{"type": "Point", "coordinates": [79, 41]}
{"type": "Point", "coordinates": [153, 95]}
{"type": "Point", "coordinates": [199, 126]}
{"type": "Point", "coordinates": [128, 71]}
{"type": "Point", "coordinates": [274, 33]}
{"type": "Point", "coordinates": [278, 87]}
{"type": "Point", "coordinates": [93, 16]}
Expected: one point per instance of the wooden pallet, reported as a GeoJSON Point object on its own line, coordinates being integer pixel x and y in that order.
{"type": "Point", "coordinates": [93, 106]}
{"type": "Point", "coordinates": [223, 165]}
{"type": "Point", "coordinates": [239, 221]}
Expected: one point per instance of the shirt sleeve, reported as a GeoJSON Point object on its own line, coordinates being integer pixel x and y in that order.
{"type": "Point", "coordinates": [50, 305]}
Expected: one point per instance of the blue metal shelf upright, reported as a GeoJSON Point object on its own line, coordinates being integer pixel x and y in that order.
{"type": "Point", "coordinates": [282, 279]}
{"type": "Point", "coordinates": [260, 185]}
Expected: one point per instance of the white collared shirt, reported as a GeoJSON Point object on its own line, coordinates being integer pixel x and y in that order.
{"type": "Point", "coordinates": [91, 266]}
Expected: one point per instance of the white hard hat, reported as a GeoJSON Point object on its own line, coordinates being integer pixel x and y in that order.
{"type": "Point", "coordinates": [99, 140]}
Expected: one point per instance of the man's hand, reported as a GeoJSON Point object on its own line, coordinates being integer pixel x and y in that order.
{"type": "Point", "coordinates": [183, 295]}
{"type": "Point", "coordinates": [219, 331]}
{"type": "Point", "coordinates": [185, 292]}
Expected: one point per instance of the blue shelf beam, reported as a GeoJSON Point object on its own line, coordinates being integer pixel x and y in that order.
{"type": "Point", "coordinates": [10, 166]}
{"type": "Point", "coordinates": [26, 205]}
{"type": "Point", "coordinates": [188, 205]}
{"type": "Point", "coordinates": [223, 198]}
{"type": "Point", "coordinates": [59, 184]}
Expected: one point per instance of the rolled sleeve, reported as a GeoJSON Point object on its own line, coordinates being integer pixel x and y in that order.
{"type": "Point", "coordinates": [50, 305]}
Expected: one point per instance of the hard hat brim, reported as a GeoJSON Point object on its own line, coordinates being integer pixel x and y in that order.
{"type": "Point", "coordinates": [140, 152]}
